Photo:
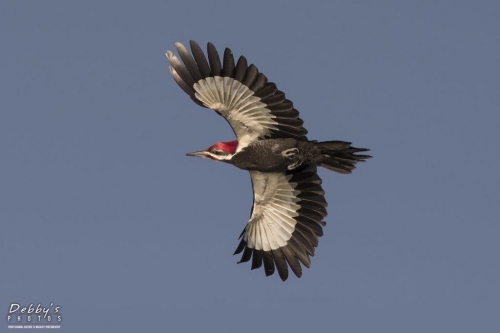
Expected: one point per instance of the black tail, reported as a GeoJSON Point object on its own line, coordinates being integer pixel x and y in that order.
{"type": "Point", "coordinates": [340, 156]}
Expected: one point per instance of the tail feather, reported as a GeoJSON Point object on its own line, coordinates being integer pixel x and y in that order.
{"type": "Point", "coordinates": [340, 156]}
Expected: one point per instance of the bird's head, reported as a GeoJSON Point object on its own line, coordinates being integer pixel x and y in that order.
{"type": "Point", "coordinates": [221, 151]}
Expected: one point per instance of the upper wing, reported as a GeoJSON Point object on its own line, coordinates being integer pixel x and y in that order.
{"type": "Point", "coordinates": [253, 107]}
{"type": "Point", "coordinates": [286, 220]}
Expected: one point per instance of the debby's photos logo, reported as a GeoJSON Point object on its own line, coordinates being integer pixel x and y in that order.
{"type": "Point", "coordinates": [34, 316]}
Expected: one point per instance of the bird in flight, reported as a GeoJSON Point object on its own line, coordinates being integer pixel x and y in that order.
{"type": "Point", "coordinates": [271, 143]}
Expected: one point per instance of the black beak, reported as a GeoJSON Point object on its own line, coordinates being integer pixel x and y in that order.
{"type": "Point", "coordinates": [201, 153]}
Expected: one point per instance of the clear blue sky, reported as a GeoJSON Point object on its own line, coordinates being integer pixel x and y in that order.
{"type": "Point", "coordinates": [102, 213]}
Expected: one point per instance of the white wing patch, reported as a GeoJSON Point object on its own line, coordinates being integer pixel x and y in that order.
{"type": "Point", "coordinates": [275, 206]}
{"type": "Point", "coordinates": [245, 112]}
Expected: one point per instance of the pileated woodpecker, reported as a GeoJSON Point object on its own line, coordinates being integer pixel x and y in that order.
{"type": "Point", "coordinates": [271, 143]}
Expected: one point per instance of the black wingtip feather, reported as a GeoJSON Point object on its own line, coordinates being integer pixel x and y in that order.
{"type": "Point", "coordinates": [314, 226]}
{"type": "Point", "coordinates": [251, 77]}
{"type": "Point", "coordinates": [292, 260]}
{"type": "Point", "coordinates": [304, 242]}
{"type": "Point", "coordinates": [241, 69]}
{"type": "Point", "coordinates": [280, 262]}
{"type": "Point", "coordinates": [180, 69]}
{"type": "Point", "coordinates": [247, 254]}
{"type": "Point", "coordinates": [214, 60]}
{"type": "Point", "coordinates": [256, 259]}
{"type": "Point", "coordinates": [189, 62]}
{"type": "Point", "coordinates": [184, 86]}
{"type": "Point", "coordinates": [200, 59]}
{"type": "Point", "coordinates": [228, 68]}
{"type": "Point", "coordinates": [267, 258]}
{"type": "Point", "coordinates": [308, 234]}
{"type": "Point", "coordinates": [277, 98]}
{"type": "Point", "coordinates": [259, 83]}
{"type": "Point", "coordinates": [300, 251]}
{"type": "Point", "coordinates": [240, 247]}
{"type": "Point", "coordinates": [267, 91]}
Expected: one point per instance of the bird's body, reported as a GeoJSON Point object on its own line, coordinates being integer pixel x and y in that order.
{"type": "Point", "coordinates": [279, 155]}
{"type": "Point", "coordinates": [289, 205]}
{"type": "Point", "coordinates": [270, 155]}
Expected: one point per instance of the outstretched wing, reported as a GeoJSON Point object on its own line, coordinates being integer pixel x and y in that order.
{"type": "Point", "coordinates": [254, 107]}
{"type": "Point", "coordinates": [286, 221]}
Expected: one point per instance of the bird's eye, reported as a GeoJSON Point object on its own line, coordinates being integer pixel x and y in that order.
{"type": "Point", "coordinates": [217, 151]}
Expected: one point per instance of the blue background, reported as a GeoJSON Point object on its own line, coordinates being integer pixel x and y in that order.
{"type": "Point", "coordinates": [103, 214]}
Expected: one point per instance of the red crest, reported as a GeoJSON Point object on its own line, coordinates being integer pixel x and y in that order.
{"type": "Point", "coordinates": [229, 147]}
